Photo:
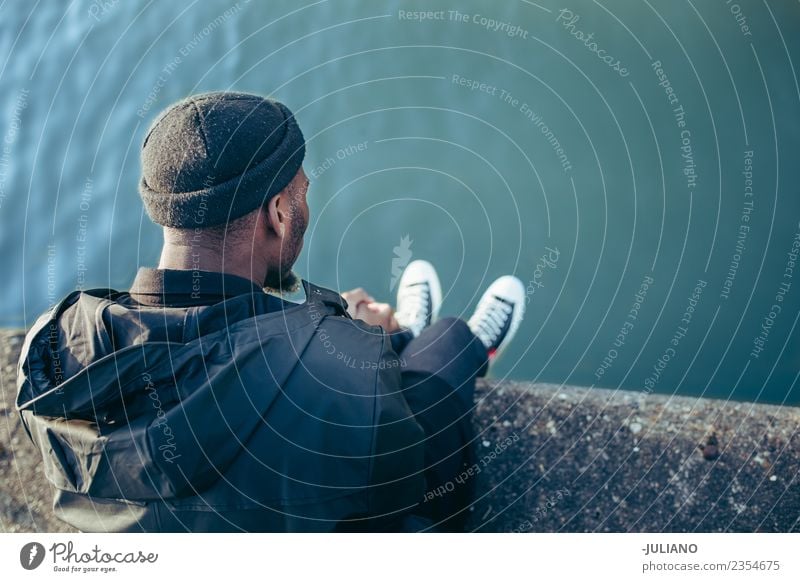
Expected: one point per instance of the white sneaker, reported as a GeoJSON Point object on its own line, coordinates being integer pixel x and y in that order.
{"type": "Point", "coordinates": [499, 314]}
{"type": "Point", "coordinates": [419, 296]}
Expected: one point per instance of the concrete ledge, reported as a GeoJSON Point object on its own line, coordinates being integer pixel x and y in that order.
{"type": "Point", "coordinates": [25, 495]}
{"type": "Point", "coordinates": [619, 461]}
{"type": "Point", "coordinates": [556, 459]}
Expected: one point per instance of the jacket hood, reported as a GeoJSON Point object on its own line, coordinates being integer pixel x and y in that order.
{"type": "Point", "coordinates": [160, 418]}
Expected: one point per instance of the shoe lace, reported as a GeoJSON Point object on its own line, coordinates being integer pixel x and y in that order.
{"type": "Point", "coordinates": [415, 303]}
{"type": "Point", "coordinates": [490, 318]}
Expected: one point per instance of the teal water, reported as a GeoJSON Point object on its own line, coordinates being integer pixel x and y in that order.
{"type": "Point", "coordinates": [635, 164]}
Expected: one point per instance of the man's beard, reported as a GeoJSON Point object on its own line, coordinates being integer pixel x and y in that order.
{"type": "Point", "coordinates": [280, 283]}
{"type": "Point", "coordinates": [284, 280]}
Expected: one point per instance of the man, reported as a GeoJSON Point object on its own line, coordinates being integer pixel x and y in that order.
{"type": "Point", "coordinates": [196, 401]}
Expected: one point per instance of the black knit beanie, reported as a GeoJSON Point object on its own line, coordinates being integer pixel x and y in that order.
{"type": "Point", "coordinates": [214, 157]}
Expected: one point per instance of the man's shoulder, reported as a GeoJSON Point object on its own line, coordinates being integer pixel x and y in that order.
{"type": "Point", "coordinates": [349, 342]}
{"type": "Point", "coordinates": [329, 310]}
{"type": "Point", "coordinates": [328, 297]}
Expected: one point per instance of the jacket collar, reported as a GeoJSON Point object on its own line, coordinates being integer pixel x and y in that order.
{"type": "Point", "coordinates": [193, 284]}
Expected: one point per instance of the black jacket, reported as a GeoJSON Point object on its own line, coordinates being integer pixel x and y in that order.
{"type": "Point", "coordinates": [234, 416]}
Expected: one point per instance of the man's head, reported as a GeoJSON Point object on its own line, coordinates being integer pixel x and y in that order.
{"type": "Point", "coordinates": [222, 173]}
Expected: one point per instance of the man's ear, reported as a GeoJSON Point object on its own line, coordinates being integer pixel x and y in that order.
{"type": "Point", "coordinates": [276, 217]}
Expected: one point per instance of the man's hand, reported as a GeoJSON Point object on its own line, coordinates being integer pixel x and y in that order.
{"type": "Point", "coordinates": [355, 298]}
{"type": "Point", "coordinates": [361, 305]}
